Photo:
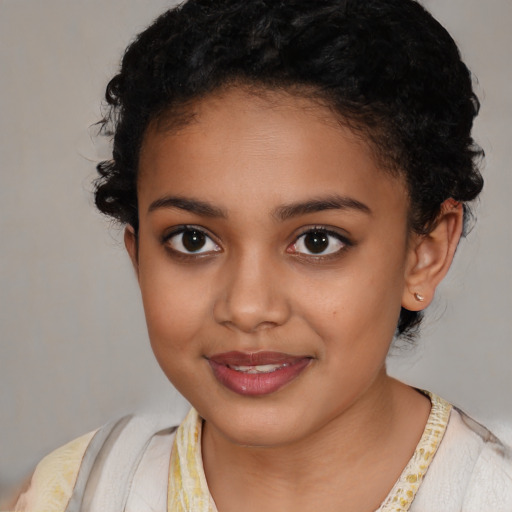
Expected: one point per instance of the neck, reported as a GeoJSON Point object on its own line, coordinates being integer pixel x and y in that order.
{"type": "Point", "coordinates": [367, 438]}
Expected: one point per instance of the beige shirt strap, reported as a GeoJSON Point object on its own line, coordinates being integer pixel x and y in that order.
{"type": "Point", "coordinates": [97, 471]}
{"type": "Point", "coordinates": [110, 482]}
{"type": "Point", "coordinates": [148, 491]}
{"type": "Point", "coordinates": [92, 464]}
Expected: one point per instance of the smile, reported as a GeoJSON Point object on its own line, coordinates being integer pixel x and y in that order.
{"type": "Point", "coordinates": [262, 368]}
{"type": "Point", "coordinates": [258, 373]}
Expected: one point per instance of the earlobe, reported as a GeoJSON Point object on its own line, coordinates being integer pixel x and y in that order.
{"type": "Point", "coordinates": [131, 244]}
{"type": "Point", "coordinates": [430, 257]}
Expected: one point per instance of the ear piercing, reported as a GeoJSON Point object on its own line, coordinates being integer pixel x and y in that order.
{"type": "Point", "coordinates": [419, 297]}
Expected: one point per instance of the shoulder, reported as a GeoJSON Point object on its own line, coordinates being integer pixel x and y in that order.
{"type": "Point", "coordinates": [55, 476]}
{"type": "Point", "coordinates": [91, 463]}
{"type": "Point", "coordinates": [471, 471]}
{"type": "Point", "coordinates": [490, 484]}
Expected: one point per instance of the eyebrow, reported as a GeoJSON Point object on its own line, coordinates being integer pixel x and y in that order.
{"type": "Point", "coordinates": [332, 202]}
{"type": "Point", "coordinates": [201, 208]}
{"type": "Point", "coordinates": [282, 213]}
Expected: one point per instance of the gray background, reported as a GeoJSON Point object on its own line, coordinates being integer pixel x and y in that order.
{"type": "Point", "coordinates": [74, 349]}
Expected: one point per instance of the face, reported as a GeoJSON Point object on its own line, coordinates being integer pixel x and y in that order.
{"type": "Point", "coordinates": [271, 258]}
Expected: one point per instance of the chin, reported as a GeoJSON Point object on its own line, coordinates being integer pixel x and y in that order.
{"type": "Point", "coordinates": [257, 425]}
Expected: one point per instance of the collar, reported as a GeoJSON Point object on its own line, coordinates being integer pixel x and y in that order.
{"type": "Point", "coordinates": [188, 490]}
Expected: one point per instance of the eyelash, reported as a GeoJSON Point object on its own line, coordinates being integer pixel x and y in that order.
{"type": "Point", "coordinates": [193, 254]}
{"type": "Point", "coordinates": [345, 243]}
{"type": "Point", "coordinates": [291, 249]}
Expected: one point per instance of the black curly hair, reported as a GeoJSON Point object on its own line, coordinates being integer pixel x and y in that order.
{"type": "Point", "coordinates": [386, 68]}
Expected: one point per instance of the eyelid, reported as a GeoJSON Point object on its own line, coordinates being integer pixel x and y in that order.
{"type": "Point", "coordinates": [176, 230]}
{"type": "Point", "coordinates": [339, 233]}
{"type": "Point", "coordinates": [328, 230]}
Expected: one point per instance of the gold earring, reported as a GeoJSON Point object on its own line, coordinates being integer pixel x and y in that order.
{"type": "Point", "coordinates": [419, 297]}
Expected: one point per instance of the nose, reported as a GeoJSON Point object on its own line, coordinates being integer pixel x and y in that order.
{"type": "Point", "coordinates": [251, 296]}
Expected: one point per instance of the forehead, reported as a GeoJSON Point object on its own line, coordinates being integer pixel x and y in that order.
{"type": "Point", "coordinates": [264, 147]}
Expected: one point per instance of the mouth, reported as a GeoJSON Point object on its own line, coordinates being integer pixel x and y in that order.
{"type": "Point", "coordinates": [256, 373]}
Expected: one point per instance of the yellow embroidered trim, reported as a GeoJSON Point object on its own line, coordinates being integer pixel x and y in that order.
{"type": "Point", "coordinates": [188, 489]}
{"type": "Point", "coordinates": [54, 478]}
{"type": "Point", "coordinates": [402, 495]}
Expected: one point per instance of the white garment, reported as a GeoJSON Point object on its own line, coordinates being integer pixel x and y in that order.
{"type": "Point", "coordinates": [125, 467]}
{"type": "Point", "coordinates": [471, 472]}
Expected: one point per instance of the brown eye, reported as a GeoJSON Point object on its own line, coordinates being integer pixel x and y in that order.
{"type": "Point", "coordinates": [192, 241]}
{"type": "Point", "coordinates": [319, 242]}
{"type": "Point", "coordinates": [316, 241]}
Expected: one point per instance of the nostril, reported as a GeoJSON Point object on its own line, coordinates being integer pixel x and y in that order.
{"type": "Point", "coordinates": [251, 318]}
{"type": "Point", "coordinates": [249, 327]}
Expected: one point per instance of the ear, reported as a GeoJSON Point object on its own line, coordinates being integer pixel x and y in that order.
{"type": "Point", "coordinates": [430, 257]}
{"type": "Point", "coordinates": [132, 246]}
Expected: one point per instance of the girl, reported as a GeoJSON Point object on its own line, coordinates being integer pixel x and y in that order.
{"type": "Point", "coordinates": [293, 177]}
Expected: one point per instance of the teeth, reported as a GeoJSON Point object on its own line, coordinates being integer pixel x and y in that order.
{"type": "Point", "coordinates": [262, 368]}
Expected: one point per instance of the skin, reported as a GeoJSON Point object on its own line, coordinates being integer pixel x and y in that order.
{"type": "Point", "coordinates": [255, 288]}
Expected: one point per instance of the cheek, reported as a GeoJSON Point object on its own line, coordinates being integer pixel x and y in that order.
{"type": "Point", "coordinates": [176, 306]}
{"type": "Point", "coordinates": [175, 312]}
{"type": "Point", "coordinates": [358, 305]}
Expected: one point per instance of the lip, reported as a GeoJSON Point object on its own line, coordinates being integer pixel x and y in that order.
{"type": "Point", "coordinates": [246, 381]}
